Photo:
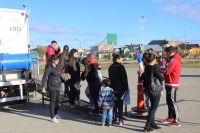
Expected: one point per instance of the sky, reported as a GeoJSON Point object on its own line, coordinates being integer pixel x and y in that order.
{"type": "Point", "coordinates": [87, 22]}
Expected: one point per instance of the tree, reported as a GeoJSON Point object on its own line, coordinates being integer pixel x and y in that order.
{"type": "Point", "coordinates": [127, 54]}
{"type": "Point", "coordinates": [41, 50]}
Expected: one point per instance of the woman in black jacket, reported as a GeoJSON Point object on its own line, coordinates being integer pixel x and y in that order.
{"type": "Point", "coordinates": [119, 83]}
{"type": "Point", "coordinates": [73, 68]}
{"type": "Point", "coordinates": [52, 81]}
{"type": "Point", "coordinates": [151, 68]}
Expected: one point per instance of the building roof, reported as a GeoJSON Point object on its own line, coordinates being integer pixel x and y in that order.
{"type": "Point", "coordinates": [188, 46]}
{"type": "Point", "coordinates": [158, 42]}
{"type": "Point", "coordinates": [131, 47]}
{"type": "Point", "coordinates": [156, 48]}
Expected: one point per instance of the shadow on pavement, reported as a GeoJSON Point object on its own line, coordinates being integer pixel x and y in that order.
{"type": "Point", "coordinates": [36, 111]}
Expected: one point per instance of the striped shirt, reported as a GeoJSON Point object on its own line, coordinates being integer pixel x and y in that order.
{"type": "Point", "coordinates": [106, 96]}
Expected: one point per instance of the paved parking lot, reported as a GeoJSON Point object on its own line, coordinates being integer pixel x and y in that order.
{"type": "Point", "coordinates": [33, 118]}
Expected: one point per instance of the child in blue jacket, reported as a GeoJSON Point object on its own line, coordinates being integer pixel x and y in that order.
{"type": "Point", "coordinates": [106, 101]}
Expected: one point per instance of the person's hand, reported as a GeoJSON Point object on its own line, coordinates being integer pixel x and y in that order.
{"type": "Point", "coordinates": [69, 76]}
{"type": "Point", "coordinates": [139, 72]}
{"type": "Point", "coordinates": [43, 90]}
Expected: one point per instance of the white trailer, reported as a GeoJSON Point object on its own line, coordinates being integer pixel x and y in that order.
{"type": "Point", "coordinates": [15, 62]}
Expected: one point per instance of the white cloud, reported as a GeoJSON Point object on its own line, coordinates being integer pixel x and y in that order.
{"type": "Point", "coordinates": [189, 9]}
{"type": "Point", "coordinates": [49, 28]}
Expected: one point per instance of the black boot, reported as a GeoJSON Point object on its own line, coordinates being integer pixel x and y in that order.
{"type": "Point", "coordinates": [155, 126]}
{"type": "Point", "coordinates": [148, 128]}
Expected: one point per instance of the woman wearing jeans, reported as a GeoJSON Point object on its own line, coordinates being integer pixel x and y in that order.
{"type": "Point", "coordinates": [151, 68]}
{"type": "Point", "coordinates": [52, 81]}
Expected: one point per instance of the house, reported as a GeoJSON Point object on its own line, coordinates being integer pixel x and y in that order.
{"type": "Point", "coordinates": [132, 47]}
{"type": "Point", "coordinates": [188, 46]}
{"type": "Point", "coordinates": [153, 48]}
{"type": "Point", "coordinates": [161, 43]}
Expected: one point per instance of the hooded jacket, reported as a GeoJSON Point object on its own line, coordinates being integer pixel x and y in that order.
{"type": "Point", "coordinates": [172, 71]}
{"type": "Point", "coordinates": [50, 51]}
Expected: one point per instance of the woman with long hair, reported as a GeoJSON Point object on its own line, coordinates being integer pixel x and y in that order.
{"type": "Point", "coordinates": [73, 68]}
{"type": "Point", "coordinates": [63, 62]}
{"type": "Point", "coordinates": [119, 83]}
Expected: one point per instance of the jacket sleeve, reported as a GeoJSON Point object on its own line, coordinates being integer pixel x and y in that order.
{"type": "Point", "coordinates": [170, 68]}
{"type": "Point", "coordinates": [49, 51]}
{"type": "Point", "coordinates": [94, 72]}
{"type": "Point", "coordinates": [141, 78]}
{"type": "Point", "coordinates": [45, 77]}
{"type": "Point", "coordinates": [83, 77]}
{"type": "Point", "coordinates": [100, 97]}
{"type": "Point", "coordinates": [58, 51]}
{"type": "Point", "coordinates": [124, 77]}
{"type": "Point", "coordinates": [78, 76]}
{"type": "Point", "coordinates": [157, 73]}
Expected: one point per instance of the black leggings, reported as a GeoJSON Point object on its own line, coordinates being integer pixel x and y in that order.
{"type": "Point", "coordinates": [74, 94]}
{"type": "Point", "coordinates": [94, 88]}
{"type": "Point", "coordinates": [54, 102]}
{"type": "Point", "coordinates": [118, 109]}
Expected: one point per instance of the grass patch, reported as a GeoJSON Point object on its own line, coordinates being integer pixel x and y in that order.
{"type": "Point", "coordinates": [191, 64]}
{"type": "Point", "coordinates": [104, 66]}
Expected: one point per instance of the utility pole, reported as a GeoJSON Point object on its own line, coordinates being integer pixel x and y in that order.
{"type": "Point", "coordinates": [142, 19]}
{"type": "Point", "coordinates": [185, 40]}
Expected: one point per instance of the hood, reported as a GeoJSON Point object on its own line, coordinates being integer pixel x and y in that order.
{"type": "Point", "coordinates": [177, 56]}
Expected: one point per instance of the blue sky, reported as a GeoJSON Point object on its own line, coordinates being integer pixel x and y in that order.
{"type": "Point", "coordinates": [88, 21]}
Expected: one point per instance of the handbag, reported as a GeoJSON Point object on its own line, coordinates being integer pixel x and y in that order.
{"type": "Point", "coordinates": [156, 87]}
{"type": "Point", "coordinates": [64, 76]}
{"type": "Point", "coordinates": [126, 97]}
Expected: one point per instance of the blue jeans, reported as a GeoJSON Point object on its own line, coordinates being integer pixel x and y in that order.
{"type": "Point", "coordinates": [104, 115]}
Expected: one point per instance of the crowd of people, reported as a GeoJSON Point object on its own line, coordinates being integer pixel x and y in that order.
{"type": "Point", "coordinates": [108, 94]}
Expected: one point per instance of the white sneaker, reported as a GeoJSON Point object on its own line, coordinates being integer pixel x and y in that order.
{"type": "Point", "coordinates": [55, 120]}
{"type": "Point", "coordinates": [58, 116]}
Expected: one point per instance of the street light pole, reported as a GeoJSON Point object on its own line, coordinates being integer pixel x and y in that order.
{"type": "Point", "coordinates": [142, 19]}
